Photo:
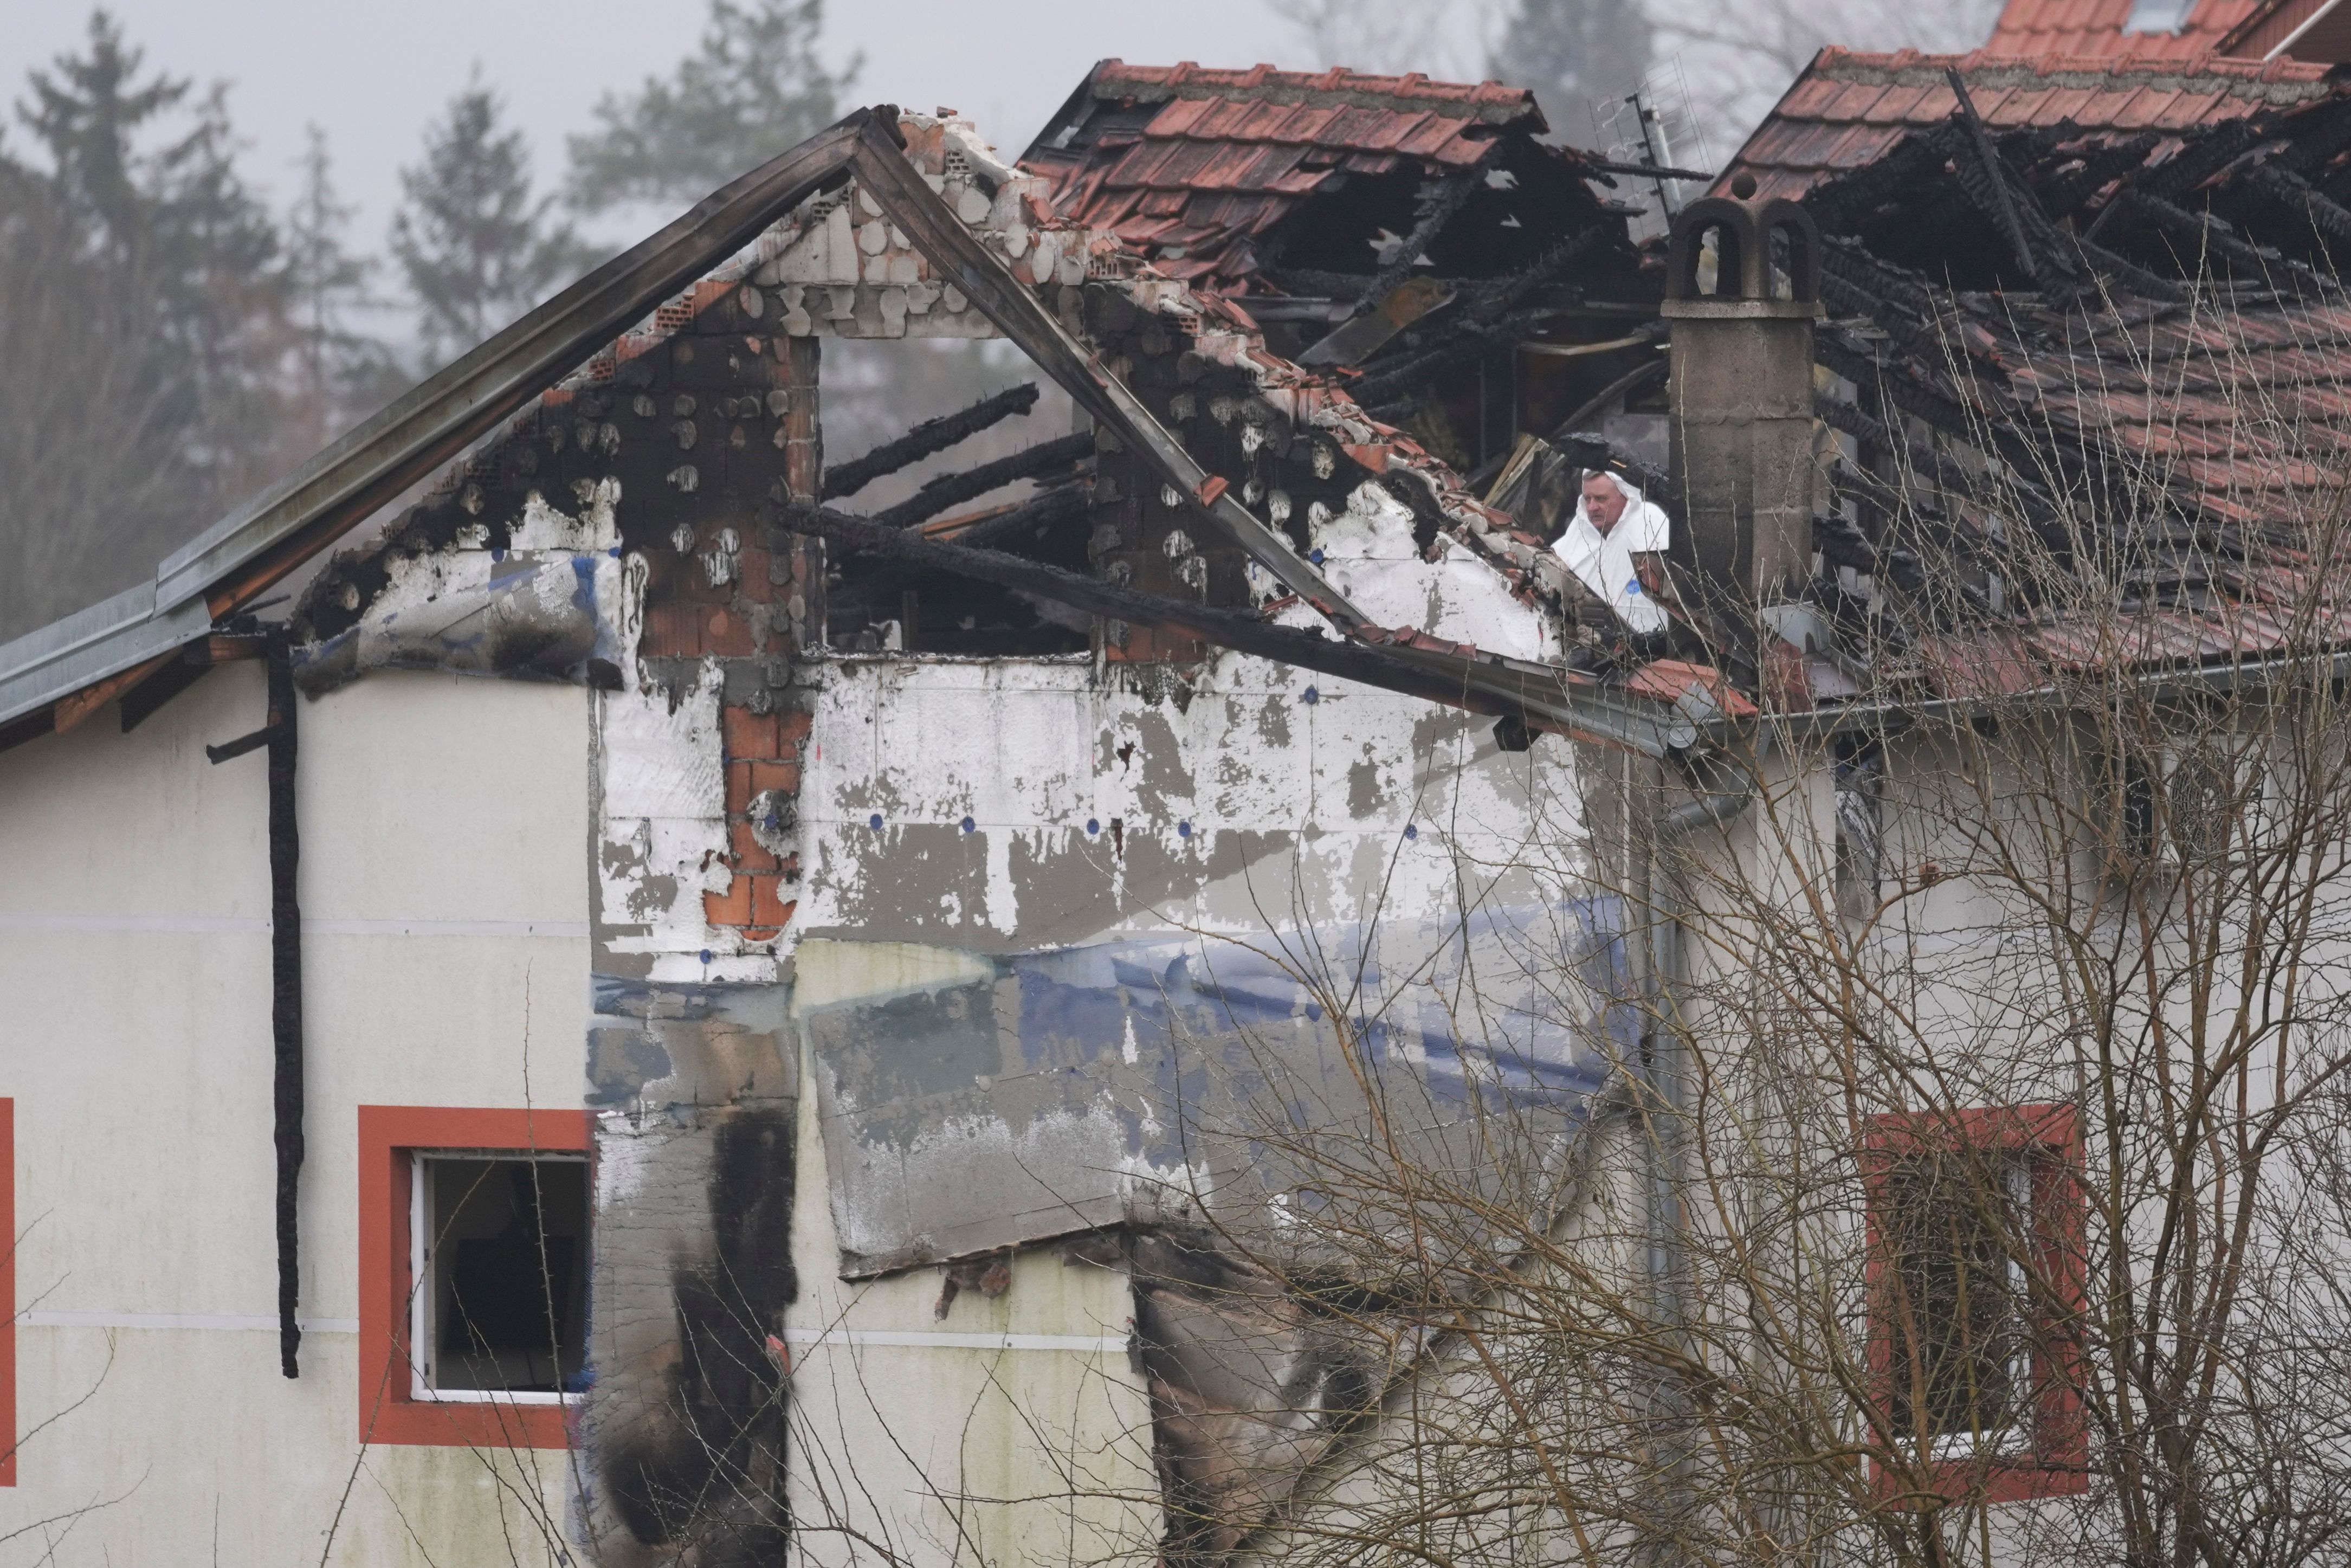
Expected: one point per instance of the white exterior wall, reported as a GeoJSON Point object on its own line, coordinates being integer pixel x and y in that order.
{"type": "Point", "coordinates": [443, 888]}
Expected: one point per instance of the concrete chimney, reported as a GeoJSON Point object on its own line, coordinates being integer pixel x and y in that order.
{"type": "Point", "coordinates": [1741, 398]}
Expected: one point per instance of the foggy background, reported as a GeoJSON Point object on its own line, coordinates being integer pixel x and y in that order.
{"type": "Point", "coordinates": [229, 229]}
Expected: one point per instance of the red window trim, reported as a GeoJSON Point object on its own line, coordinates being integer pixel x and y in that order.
{"type": "Point", "coordinates": [2057, 1464]}
{"type": "Point", "coordinates": [389, 1412]}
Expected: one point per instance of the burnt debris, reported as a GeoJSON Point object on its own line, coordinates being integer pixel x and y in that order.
{"type": "Point", "coordinates": [928, 439]}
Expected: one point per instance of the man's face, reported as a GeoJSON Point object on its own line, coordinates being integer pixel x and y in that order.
{"type": "Point", "coordinates": [1603, 502]}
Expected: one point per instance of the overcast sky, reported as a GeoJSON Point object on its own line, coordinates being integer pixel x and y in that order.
{"type": "Point", "coordinates": [372, 74]}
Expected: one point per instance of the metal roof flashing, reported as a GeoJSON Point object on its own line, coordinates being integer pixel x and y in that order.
{"type": "Point", "coordinates": [92, 644]}
{"type": "Point", "coordinates": [347, 479]}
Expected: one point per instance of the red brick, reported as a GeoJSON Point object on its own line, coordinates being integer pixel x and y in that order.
{"type": "Point", "coordinates": [767, 776]}
{"type": "Point", "coordinates": [738, 787]}
{"type": "Point", "coordinates": [675, 630]}
{"type": "Point", "coordinates": [726, 635]}
{"type": "Point", "coordinates": [794, 723]}
{"type": "Point", "coordinates": [752, 573]}
{"type": "Point", "coordinates": [750, 853]}
{"type": "Point", "coordinates": [732, 907]}
{"type": "Point", "coordinates": [766, 907]}
{"type": "Point", "coordinates": [751, 734]}
{"type": "Point", "coordinates": [761, 933]}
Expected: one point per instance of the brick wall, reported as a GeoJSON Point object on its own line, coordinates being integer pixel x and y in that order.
{"type": "Point", "coordinates": [718, 592]}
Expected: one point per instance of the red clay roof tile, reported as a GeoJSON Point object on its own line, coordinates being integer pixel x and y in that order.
{"type": "Point", "coordinates": [2101, 92]}
{"type": "Point", "coordinates": [1250, 131]}
{"type": "Point", "coordinates": [2096, 28]}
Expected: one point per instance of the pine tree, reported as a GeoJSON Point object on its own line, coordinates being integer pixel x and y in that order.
{"type": "Point", "coordinates": [1573, 54]}
{"type": "Point", "coordinates": [339, 372]}
{"type": "Point", "coordinates": [145, 296]}
{"type": "Point", "coordinates": [474, 244]}
{"type": "Point", "coordinates": [755, 89]}
{"type": "Point", "coordinates": [85, 111]}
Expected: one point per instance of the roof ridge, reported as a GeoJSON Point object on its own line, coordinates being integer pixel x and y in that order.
{"type": "Point", "coordinates": [1493, 101]}
{"type": "Point", "coordinates": [1835, 58]}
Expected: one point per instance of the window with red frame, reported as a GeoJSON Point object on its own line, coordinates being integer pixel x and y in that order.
{"type": "Point", "coordinates": [1975, 1224]}
{"type": "Point", "coordinates": [472, 1273]}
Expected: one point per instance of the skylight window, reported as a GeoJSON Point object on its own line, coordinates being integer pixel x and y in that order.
{"type": "Point", "coordinates": [2159, 16]}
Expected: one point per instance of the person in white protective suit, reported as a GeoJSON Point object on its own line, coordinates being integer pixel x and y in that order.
{"type": "Point", "coordinates": [1616, 547]}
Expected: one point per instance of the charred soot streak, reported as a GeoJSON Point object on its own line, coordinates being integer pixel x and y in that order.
{"type": "Point", "coordinates": [715, 1478]}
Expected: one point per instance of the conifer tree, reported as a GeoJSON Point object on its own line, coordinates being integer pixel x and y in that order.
{"type": "Point", "coordinates": [755, 87]}
{"type": "Point", "coordinates": [339, 372]}
{"type": "Point", "coordinates": [144, 291]}
{"type": "Point", "coordinates": [476, 247]}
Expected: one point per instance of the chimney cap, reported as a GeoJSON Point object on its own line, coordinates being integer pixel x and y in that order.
{"type": "Point", "coordinates": [1744, 234]}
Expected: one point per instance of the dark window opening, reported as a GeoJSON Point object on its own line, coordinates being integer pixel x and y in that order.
{"type": "Point", "coordinates": [1955, 1222]}
{"type": "Point", "coordinates": [501, 1275]}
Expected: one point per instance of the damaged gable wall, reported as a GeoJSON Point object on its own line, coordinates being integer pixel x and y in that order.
{"type": "Point", "coordinates": [792, 851]}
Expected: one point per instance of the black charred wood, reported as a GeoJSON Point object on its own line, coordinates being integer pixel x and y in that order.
{"type": "Point", "coordinates": [878, 581]}
{"type": "Point", "coordinates": [1924, 458]}
{"type": "Point", "coordinates": [1994, 175]}
{"type": "Point", "coordinates": [1238, 630]}
{"type": "Point", "coordinates": [2328, 217]}
{"type": "Point", "coordinates": [1436, 208]}
{"type": "Point", "coordinates": [2209, 234]}
{"type": "Point", "coordinates": [1048, 509]}
{"type": "Point", "coordinates": [1590, 450]}
{"type": "Point", "coordinates": [1401, 374]}
{"type": "Point", "coordinates": [954, 489]}
{"type": "Point", "coordinates": [933, 435]}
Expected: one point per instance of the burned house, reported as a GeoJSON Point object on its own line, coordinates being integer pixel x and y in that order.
{"type": "Point", "coordinates": [676, 1011]}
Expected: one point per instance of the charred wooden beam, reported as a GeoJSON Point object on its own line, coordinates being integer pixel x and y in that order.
{"type": "Point", "coordinates": [1468, 340]}
{"type": "Point", "coordinates": [2213, 235]}
{"type": "Point", "coordinates": [2002, 199]}
{"type": "Point", "coordinates": [2328, 217]}
{"type": "Point", "coordinates": [1926, 459]}
{"type": "Point", "coordinates": [1893, 390]}
{"type": "Point", "coordinates": [1051, 507]}
{"type": "Point", "coordinates": [907, 199]}
{"type": "Point", "coordinates": [933, 435]}
{"type": "Point", "coordinates": [1437, 204]}
{"type": "Point", "coordinates": [874, 587]}
{"type": "Point", "coordinates": [955, 490]}
{"type": "Point", "coordinates": [1241, 630]}
{"type": "Point", "coordinates": [1541, 695]}
{"type": "Point", "coordinates": [1640, 378]}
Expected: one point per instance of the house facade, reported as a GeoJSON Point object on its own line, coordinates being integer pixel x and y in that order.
{"type": "Point", "coordinates": [663, 1011]}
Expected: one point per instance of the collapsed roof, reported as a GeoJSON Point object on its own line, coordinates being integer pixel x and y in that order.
{"type": "Point", "coordinates": [2116, 280]}
{"type": "Point", "coordinates": [1155, 252]}
{"type": "Point", "coordinates": [1235, 177]}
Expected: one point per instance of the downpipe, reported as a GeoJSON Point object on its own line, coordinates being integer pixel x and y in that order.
{"type": "Point", "coordinates": [1661, 1088]}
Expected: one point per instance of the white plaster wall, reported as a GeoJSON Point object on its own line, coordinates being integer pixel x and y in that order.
{"type": "Point", "coordinates": [1271, 795]}
{"type": "Point", "coordinates": [444, 887]}
{"type": "Point", "coordinates": [1297, 791]}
